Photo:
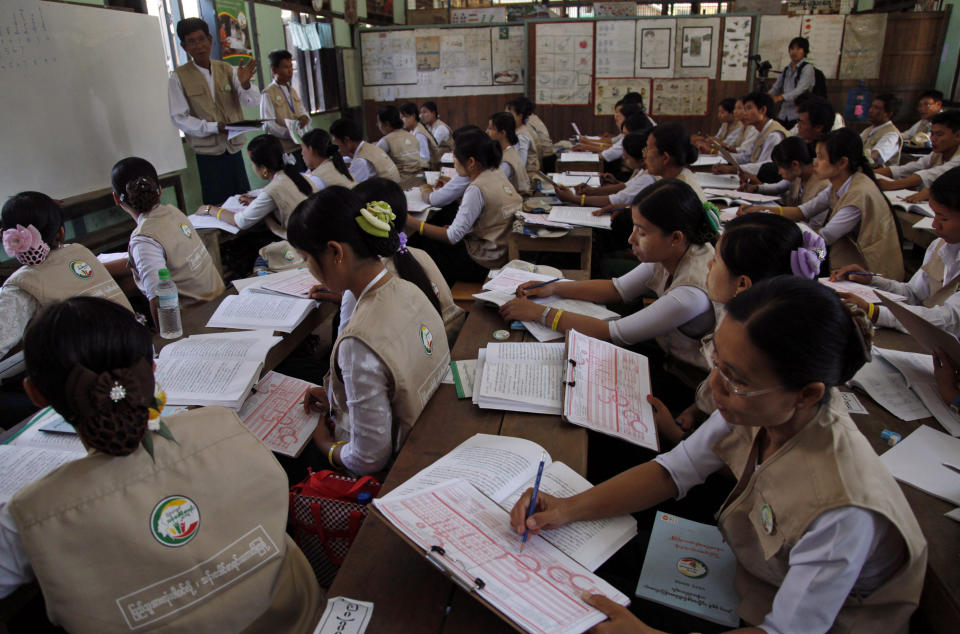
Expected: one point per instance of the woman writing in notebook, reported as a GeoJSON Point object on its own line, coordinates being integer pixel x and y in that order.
{"type": "Point", "coordinates": [163, 239]}
{"type": "Point", "coordinates": [285, 188]}
{"type": "Point", "coordinates": [323, 159]}
{"type": "Point", "coordinates": [823, 536]}
{"type": "Point", "coordinates": [49, 271]}
{"type": "Point", "coordinates": [672, 236]}
{"type": "Point", "coordinates": [382, 372]}
{"type": "Point", "coordinates": [669, 154]}
{"type": "Point", "coordinates": [799, 182]}
{"type": "Point", "coordinates": [932, 291]}
{"type": "Point", "coordinates": [859, 226]}
{"type": "Point", "coordinates": [727, 133]}
{"type": "Point", "coordinates": [160, 495]}
{"type": "Point", "coordinates": [476, 240]}
{"type": "Point", "coordinates": [502, 129]}
{"type": "Point", "coordinates": [618, 196]}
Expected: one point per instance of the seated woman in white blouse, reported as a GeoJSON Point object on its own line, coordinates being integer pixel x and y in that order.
{"type": "Point", "coordinates": [613, 196]}
{"type": "Point", "coordinates": [277, 200]}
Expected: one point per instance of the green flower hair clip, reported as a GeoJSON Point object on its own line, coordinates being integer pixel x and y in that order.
{"type": "Point", "coordinates": [377, 219]}
{"type": "Point", "coordinates": [713, 216]}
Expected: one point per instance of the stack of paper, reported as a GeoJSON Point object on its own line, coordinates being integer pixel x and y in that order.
{"type": "Point", "coordinates": [520, 377]}
{"type": "Point", "coordinates": [730, 196]}
{"type": "Point", "coordinates": [206, 221]}
{"type": "Point", "coordinates": [886, 385]}
{"type": "Point", "coordinates": [293, 283]}
{"type": "Point", "coordinates": [581, 216]}
{"type": "Point", "coordinates": [255, 311]}
{"type": "Point", "coordinates": [917, 371]}
{"type": "Point", "coordinates": [415, 203]}
{"type": "Point", "coordinates": [860, 290]}
{"type": "Point", "coordinates": [32, 453]}
{"type": "Point", "coordinates": [708, 159]}
{"type": "Point", "coordinates": [447, 158]}
{"type": "Point", "coordinates": [572, 180]}
{"type": "Point", "coordinates": [723, 182]}
{"type": "Point", "coordinates": [920, 460]}
{"type": "Point", "coordinates": [274, 413]}
{"type": "Point", "coordinates": [578, 157]}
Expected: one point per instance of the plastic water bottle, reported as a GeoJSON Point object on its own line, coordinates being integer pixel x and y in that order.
{"type": "Point", "coordinates": [261, 266]}
{"type": "Point", "coordinates": [168, 311]}
{"type": "Point", "coordinates": [364, 498]}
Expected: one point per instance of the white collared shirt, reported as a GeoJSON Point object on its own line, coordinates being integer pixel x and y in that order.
{"type": "Point", "coordinates": [842, 222]}
{"type": "Point", "coordinates": [180, 108]}
{"type": "Point", "coordinates": [269, 113]}
{"type": "Point", "coordinates": [360, 168]}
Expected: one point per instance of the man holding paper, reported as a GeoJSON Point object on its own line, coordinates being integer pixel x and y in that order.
{"type": "Point", "coordinates": [280, 103]}
{"type": "Point", "coordinates": [205, 95]}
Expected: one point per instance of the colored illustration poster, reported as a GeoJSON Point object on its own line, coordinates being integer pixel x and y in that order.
{"type": "Point", "coordinates": [236, 47]}
{"type": "Point", "coordinates": [607, 92]}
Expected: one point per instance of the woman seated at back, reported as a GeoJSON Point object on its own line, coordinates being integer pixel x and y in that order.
{"type": "Point", "coordinates": [163, 239]}
{"type": "Point", "coordinates": [323, 159]}
{"type": "Point", "coordinates": [401, 146]}
{"type": "Point", "coordinates": [527, 143]}
{"type": "Point", "coordinates": [669, 154]}
{"type": "Point", "coordinates": [429, 150]}
{"type": "Point", "coordinates": [823, 536]}
{"type": "Point", "coordinates": [615, 196]}
{"type": "Point", "coordinates": [49, 271]}
{"type": "Point", "coordinates": [476, 240]}
{"type": "Point", "coordinates": [672, 237]}
{"type": "Point", "coordinates": [799, 182]}
{"type": "Point", "coordinates": [391, 352]}
{"type": "Point", "coordinates": [502, 129]}
{"type": "Point", "coordinates": [189, 501]}
{"type": "Point", "coordinates": [274, 204]}
{"type": "Point", "coordinates": [728, 132]}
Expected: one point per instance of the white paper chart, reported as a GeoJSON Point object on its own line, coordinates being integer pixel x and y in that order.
{"type": "Point", "coordinates": [24, 39]}
{"type": "Point", "coordinates": [697, 47]}
{"type": "Point", "coordinates": [825, 33]}
{"type": "Point", "coordinates": [736, 47]}
{"type": "Point", "coordinates": [465, 57]}
{"type": "Point", "coordinates": [389, 57]}
{"type": "Point", "coordinates": [507, 46]}
{"type": "Point", "coordinates": [564, 63]}
{"type": "Point", "coordinates": [679, 97]}
{"type": "Point", "coordinates": [776, 31]}
{"type": "Point", "coordinates": [655, 48]}
{"type": "Point", "coordinates": [607, 92]}
{"type": "Point", "coordinates": [615, 48]}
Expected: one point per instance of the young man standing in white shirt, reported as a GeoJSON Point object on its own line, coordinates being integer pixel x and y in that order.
{"type": "Point", "coordinates": [204, 96]}
{"type": "Point", "coordinates": [796, 79]}
{"type": "Point", "coordinates": [279, 102]}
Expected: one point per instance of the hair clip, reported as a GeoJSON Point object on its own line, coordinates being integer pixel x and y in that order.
{"type": "Point", "coordinates": [25, 244]}
{"type": "Point", "coordinates": [376, 219]}
{"type": "Point", "coordinates": [805, 260]}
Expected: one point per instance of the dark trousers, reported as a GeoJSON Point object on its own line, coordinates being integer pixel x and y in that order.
{"type": "Point", "coordinates": [221, 176]}
{"type": "Point", "coordinates": [452, 259]}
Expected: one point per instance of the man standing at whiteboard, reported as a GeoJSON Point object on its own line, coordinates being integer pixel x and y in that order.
{"type": "Point", "coordinates": [205, 95]}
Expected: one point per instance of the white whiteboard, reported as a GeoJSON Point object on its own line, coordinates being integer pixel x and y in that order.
{"type": "Point", "coordinates": [88, 88]}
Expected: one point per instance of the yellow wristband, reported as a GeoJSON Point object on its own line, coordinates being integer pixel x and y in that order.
{"type": "Point", "coordinates": [333, 448]}
{"type": "Point", "coordinates": [779, 210]}
{"type": "Point", "coordinates": [871, 310]}
{"type": "Point", "coordinates": [556, 320]}
{"type": "Point", "coordinates": [219, 211]}
{"type": "Point", "coordinates": [422, 223]}
{"type": "Point", "coordinates": [583, 197]}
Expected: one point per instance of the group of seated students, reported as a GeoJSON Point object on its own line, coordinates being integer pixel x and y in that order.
{"type": "Point", "coordinates": [846, 553]}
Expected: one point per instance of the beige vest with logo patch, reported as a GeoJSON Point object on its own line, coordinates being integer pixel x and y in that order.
{"type": "Point", "coordinates": [486, 241]}
{"type": "Point", "coordinates": [328, 173]}
{"type": "Point", "coordinates": [92, 530]}
{"type": "Point", "coordinates": [286, 196]}
{"type": "Point", "coordinates": [872, 135]}
{"type": "Point", "coordinates": [224, 105]}
{"type": "Point", "coordinates": [411, 344]}
{"type": "Point", "coordinates": [435, 152]}
{"type": "Point", "coordinates": [452, 315]}
{"type": "Point", "coordinates": [798, 193]}
{"type": "Point", "coordinates": [519, 179]}
{"type": "Point", "coordinates": [282, 109]}
{"type": "Point", "coordinates": [827, 465]}
{"type": "Point", "coordinates": [770, 128]}
{"type": "Point", "coordinates": [69, 271]}
{"type": "Point", "coordinates": [405, 153]}
{"type": "Point", "coordinates": [188, 260]}
{"type": "Point", "coordinates": [691, 271]}
{"type": "Point", "coordinates": [876, 245]}
{"type": "Point", "coordinates": [380, 160]}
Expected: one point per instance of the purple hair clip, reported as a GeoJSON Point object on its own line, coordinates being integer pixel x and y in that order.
{"type": "Point", "coordinates": [403, 243]}
{"type": "Point", "coordinates": [805, 261]}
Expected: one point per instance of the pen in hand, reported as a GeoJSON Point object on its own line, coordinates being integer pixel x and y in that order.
{"type": "Point", "coordinates": [542, 284]}
{"type": "Point", "coordinates": [533, 499]}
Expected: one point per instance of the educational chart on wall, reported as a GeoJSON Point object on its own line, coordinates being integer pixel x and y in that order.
{"type": "Point", "coordinates": [389, 58]}
{"type": "Point", "coordinates": [825, 33]}
{"type": "Point", "coordinates": [24, 39]}
{"type": "Point", "coordinates": [697, 46]}
{"type": "Point", "coordinates": [506, 46]}
{"type": "Point", "coordinates": [776, 31]}
{"type": "Point", "coordinates": [607, 92]}
{"type": "Point", "coordinates": [615, 48]}
{"type": "Point", "coordinates": [655, 47]}
{"type": "Point", "coordinates": [736, 47]}
{"type": "Point", "coordinates": [863, 38]}
{"type": "Point", "coordinates": [564, 63]}
{"type": "Point", "coordinates": [465, 57]}
{"type": "Point", "coordinates": [615, 9]}
{"type": "Point", "coordinates": [680, 97]}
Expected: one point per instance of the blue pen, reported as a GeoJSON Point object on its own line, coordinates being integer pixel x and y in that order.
{"type": "Point", "coordinates": [863, 273]}
{"type": "Point", "coordinates": [556, 279]}
{"type": "Point", "coordinates": [533, 498]}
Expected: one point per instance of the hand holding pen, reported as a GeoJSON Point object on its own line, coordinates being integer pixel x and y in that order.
{"type": "Point", "coordinates": [853, 273]}
{"type": "Point", "coordinates": [536, 289]}
{"type": "Point", "coordinates": [533, 499]}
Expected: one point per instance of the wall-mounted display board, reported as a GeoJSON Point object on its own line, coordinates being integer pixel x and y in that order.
{"type": "Point", "coordinates": [776, 31]}
{"type": "Point", "coordinates": [825, 33]}
{"type": "Point", "coordinates": [697, 47]}
{"type": "Point", "coordinates": [863, 40]}
{"type": "Point", "coordinates": [680, 97]}
{"type": "Point", "coordinates": [615, 53]}
{"type": "Point", "coordinates": [608, 91]}
{"type": "Point", "coordinates": [389, 58]}
{"type": "Point", "coordinates": [655, 46]}
{"type": "Point", "coordinates": [564, 62]}
{"type": "Point", "coordinates": [737, 30]}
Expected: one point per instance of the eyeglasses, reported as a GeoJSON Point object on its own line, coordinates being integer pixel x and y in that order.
{"type": "Point", "coordinates": [735, 389]}
{"type": "Point", "coordinates": [194, 41]}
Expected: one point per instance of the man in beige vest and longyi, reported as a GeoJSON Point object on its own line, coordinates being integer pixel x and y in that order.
{"type": "Point", "coordinates": [205, 95]}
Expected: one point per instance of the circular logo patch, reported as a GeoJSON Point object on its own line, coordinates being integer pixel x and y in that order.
{"type": "Point", "coordinates": [175, 520]}
{"type": "Point", "coordinates": [185, 228]}
{"type": "Point", "coordinates": [81, 269]}
{"type": "Point", "coordinates": [426, 338]}
{"type": "Point", "coordinates": [278, 98]}
{"type": "Point", "coordinates": [766, 519]}
{"type": "Point", "coordinates": [289, 255]}
{"type": "Point", "coordinates": [693, 568]}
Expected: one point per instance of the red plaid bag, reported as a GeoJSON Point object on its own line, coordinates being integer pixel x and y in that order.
{"type": "Point", "coordinates": [326, 517]}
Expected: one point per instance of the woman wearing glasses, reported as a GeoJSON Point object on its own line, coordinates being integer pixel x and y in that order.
{"type": "Point", "coordinates": [823, 536]}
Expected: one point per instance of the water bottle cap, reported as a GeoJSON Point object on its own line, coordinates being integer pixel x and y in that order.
{"type": "Point", "coordinates": [164, 274]}
{"type": "Point", "coordinates": [364, 497]}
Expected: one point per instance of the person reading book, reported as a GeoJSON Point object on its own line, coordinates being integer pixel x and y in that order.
{"type": "Point", "coordinates": [823, 535]}
{"type": "Point", "coordinates": [799, 183]}
{"type": "Point", "coordinates": [945, 138]}
{"type": "Point", "coordinates": [324, 161]}
{"type": "Point", "coordinates": [758, 113]}
{"type": "Point", "coordinates": [160, 494]}
{"type": "Point", "coordinates": [742, 141]}
{"type": "Point", "coordinates": [382, 372]}
{"type": "Point", "coordinates": [446, 192]}
{"type": "Point", "coordinates": [728, 132]}
{"type": "Point", "coordinates": [501, 127]}
{"type": "Point", "coordinates": [932, 291]}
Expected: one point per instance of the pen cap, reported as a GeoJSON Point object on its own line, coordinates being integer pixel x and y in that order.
{"type": "Point", "coordinates": [364, 498]}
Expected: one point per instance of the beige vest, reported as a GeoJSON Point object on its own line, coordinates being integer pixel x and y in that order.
{"type": "Point", "coordinates": [487, 241]}
{"type": "Point", "coordinates": [798, 194]}
{"type": "Point", "coordinates": [533, 154]}
{"type": "Point", "coordinates": [191, 267]}
{"type": "Point", "coordinates": [519, 178]}
{"type": "Point", "coordinates": [223, 105]}
{"type": "Point", "coordinates": [827, 465]}
{"type": "Point", "coordinates": [282, 109]}
{"type": "Point", "coordinates": [544, 142]}
{"type": "Point", "coordinates": [380, 160]}
{"type": "Point", "coordinates": [691, 271]}
{"type": "Point", "coordinates": [405, 154]}
{"type": "Point", "coordinates": [286, 196]}
{"type": "Point", "coordinates": [447, 145]}
{"type": "Point", "coordinates": [772, 126]}
{"type": "Point", "coordinates": [940, 289]}
{"type": "Point", "coordinates": [741, 135]}
{"type": "Point", "coordinates": [876, 245]}
{"type": "Point", "coordinates": [872, 135]}
{"type": "Point", "coordinates": [67, 272]}
{"type": "Point", "coordinates": [726, 129]}
{"type": "Point", "coordinates": [411, 344]}
{"type": "Point", "coordinates": [452, 315]}
{"type": "Point", "coordinates": [435, 152]}
{"type": "Point", "coordinates": [937, 157]}
{"type": "Point", "coordinates": [328, 173]}
{"type": "Point", "coordinates": [194, 541]}
{"type": "Point", "coordinates": [690, 179]}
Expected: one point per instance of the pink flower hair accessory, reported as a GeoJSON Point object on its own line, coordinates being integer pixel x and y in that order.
{"type": "Point", "coordinates": [25, 244]}
{"type": "Point", "coordinates": [805, 261]}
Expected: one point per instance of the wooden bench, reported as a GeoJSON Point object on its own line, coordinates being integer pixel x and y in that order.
{"type": "Point", "coordinates": [463, 293]}
{"type": "Point", "coordinates": [579, 240]}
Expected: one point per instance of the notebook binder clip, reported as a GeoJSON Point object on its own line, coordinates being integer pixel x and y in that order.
{"type": "Point", "coordinates": [436, 555]}
{"type": "Point", "coordinates": [570, 369]}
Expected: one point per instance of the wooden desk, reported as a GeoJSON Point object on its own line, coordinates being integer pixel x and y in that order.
{"type": "Point", "coordinates": [940, 603]}
{"type": "Point", "coordinates": [579, 240]}
{"type": "Point", "coordinates": [408, 593]}
{"type": "Point", "coordinates": [920, 237]}
{"type": "Point", "coordinates": [577, 166]}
